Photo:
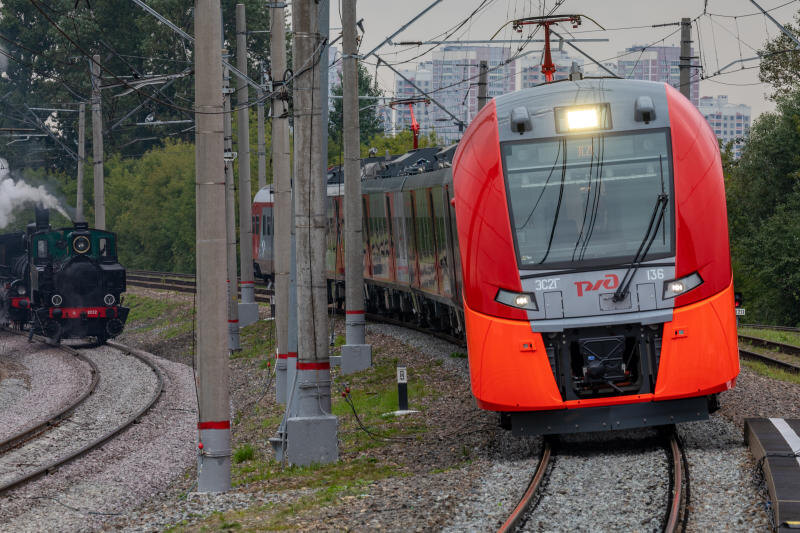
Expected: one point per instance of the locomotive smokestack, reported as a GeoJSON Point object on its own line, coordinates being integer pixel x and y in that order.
{"type": "Point", "coordinates": [42, 218]}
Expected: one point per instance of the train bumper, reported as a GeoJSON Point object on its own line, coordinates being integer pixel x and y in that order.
{"type": "Point", "coordinates": [76, 322]}
{"type": "Point", "coordinates": [510, 370]}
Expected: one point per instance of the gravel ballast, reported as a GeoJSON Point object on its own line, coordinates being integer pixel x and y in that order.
{"type": "Point", "coordinates": [41, 380]}
{"type": "Point", "coordinates": [123, 473]}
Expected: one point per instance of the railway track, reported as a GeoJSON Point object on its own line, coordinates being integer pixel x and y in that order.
{"type": "Point", "coordinates": [787, 349]}
{"type": "Point", "coordinates": [766, 326]}
{"type": "Point", "coordinates": [677, 513]}
{"type": "Point", "coordinates": [171, 281]}
{"type": "Point", "coordinates": [31, 436]}
{"type": "Point", "coordinates": [37, 429]}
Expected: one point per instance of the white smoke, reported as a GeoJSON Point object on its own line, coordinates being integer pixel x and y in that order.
{"type": "Point", "coordinates": [14, 194]}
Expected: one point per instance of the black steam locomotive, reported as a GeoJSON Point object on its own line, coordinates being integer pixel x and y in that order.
{"type": "Point", "coordinates": [62, 283]}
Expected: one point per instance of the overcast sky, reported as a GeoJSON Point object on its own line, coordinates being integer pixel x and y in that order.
{"type": "Point", "coordinates": [623, 19]}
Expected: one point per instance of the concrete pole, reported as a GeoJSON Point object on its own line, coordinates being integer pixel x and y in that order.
{"type": "Point", "coordinates": [97, 148]}
{"type": "Point", "coordinates": [311, 428]}
{"type": "Point", "coordinates": [213, 462]}
{"type": "Point", "coordinates": [282, 187]}
{"type": "Point", "coordinates": [483, 85]}
{"type": "Point", "coordinates": [356, 354]}
{"type": "Point", "coordinates": [262, 147]}
{"type": "Point", "coordinates": [685, 59]}
{"type": "Point", "coordinates": [248, 309]}
{"type": "Point", "coordinates": [230, 211]}
{"type": "Point", "coordinates": [79, 216]}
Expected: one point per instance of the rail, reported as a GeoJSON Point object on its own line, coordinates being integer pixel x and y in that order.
{"type": "Point", "coordinates": [519, 512]}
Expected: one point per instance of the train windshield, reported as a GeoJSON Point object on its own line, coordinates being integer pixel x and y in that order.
{"type": "Point", "coordinates": [588, 200]}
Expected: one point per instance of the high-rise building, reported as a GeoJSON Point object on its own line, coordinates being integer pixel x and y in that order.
{"type": "Point", "coordinates": [452, 76]}
{"type": "Point", "coordinates": [658, 63]}
{"type": "Point", "coordinates": [730, 122]}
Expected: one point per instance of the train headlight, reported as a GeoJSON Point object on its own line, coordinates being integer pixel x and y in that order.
{"type": "Point", "coordinates": [676, 287]}
{"type": "Point", "coordinates": [109, 299]}
{"type": "Point", "coordinates": [81, 244]}
{"type": "Point", "coordinates": [56, 300]}
{"type": "Point", "coordinates": [583, 118]}
{"type": "Point", "coordinates": [21, 290]}
{"type": "Point", "coordinates": [520, 300]}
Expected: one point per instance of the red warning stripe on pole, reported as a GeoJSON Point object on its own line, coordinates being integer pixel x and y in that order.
{"type": "Point", "coordinates": [221, 424]}
{"type": "Point", "coordinates": [282, 356]}
{"type": "Point", "coordinates": [314, 366]}
{"type": "Point", "coordinates": [355, 312]}
{"type": "Point", "coordinates": [293, 354]}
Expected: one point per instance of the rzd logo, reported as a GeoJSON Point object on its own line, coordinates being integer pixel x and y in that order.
{"type": "Point", "coordinates": [610, 281]}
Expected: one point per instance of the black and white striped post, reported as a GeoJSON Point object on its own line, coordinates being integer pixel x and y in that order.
{"type": "Point", "coordinates": [402, 388]}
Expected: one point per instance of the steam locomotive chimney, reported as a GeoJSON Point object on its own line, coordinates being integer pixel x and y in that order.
{"type": "Point", "coordinates": [42, 218]}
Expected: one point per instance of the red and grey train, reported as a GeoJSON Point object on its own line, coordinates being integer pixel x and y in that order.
{"type": "Point", "coordinates": [580, 242]}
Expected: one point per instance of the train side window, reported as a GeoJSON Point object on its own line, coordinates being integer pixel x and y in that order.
{"type": "Point", "coordinates": [41, 248]}
{"type": "Point", "coordinates": [106, 248]}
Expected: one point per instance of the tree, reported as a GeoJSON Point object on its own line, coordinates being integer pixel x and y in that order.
{"type": "Point", "coordinates": [781, 61]}
{"type": "Point", "coordinates": [763, 193]}
{"type": "Point", "coordinates": [50, 44]}
{"type": "Point", "coordinates": [370, 122]}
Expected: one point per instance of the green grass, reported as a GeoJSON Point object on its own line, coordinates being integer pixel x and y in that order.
{"type": "Point", "coordinates": [257, 341]}
{"type": "Point", "coordinates": [243, 453]}
{"type": "Point", "coordinates": [786, 337]}
{"type": "Point", "coordinates": [144, 308]}
{"type": "Point", "coordinates": [458, 355]}
{"type": "Point", "coordinates": [771, 371]}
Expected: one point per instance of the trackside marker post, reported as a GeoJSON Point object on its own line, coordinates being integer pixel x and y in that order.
{"type": "Point", "coordinates": [402, 388]}
{"type": "Point", "coordinates": [402, 394]}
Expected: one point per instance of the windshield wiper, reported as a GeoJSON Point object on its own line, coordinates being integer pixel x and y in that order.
{"type": "Point", "coordinates": [650, 235]}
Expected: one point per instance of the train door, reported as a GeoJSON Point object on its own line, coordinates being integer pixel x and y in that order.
{"type": "Point", "coordinates": [409, 205]}
{"type": "Point", "coordinates": [332, 239]}
{"type": "Point", "coordinates": [390, 231]}
{"type": "Point", "coordinates": [400, 239]}
{"type": "Point", "coordinates": [452, 240]}
{"type": "Point", "coordinates": [365, 229]}
{"type": "Point", "coordinates": [426, 254]}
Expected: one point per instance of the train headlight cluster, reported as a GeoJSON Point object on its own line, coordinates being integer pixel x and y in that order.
{"type": "Point", "coordinates": [679, 286]}
{"type": "Point", "coordinates": [520, 300]}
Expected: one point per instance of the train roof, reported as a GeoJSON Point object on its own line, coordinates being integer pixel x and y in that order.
{"type": "Point", "coordinates": [264, 195]}
{"type": "Point", "coordinates": [541, 102]}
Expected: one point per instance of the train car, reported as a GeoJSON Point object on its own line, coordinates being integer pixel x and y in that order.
{"type": "Point", "coordinates": [597, 284]}
{"type": "Point", "coordinates": [62, 283]}
{"type": "Point", "coordinates": [263, 230]}
{"type": "Point", "coordinates": [411, 266]}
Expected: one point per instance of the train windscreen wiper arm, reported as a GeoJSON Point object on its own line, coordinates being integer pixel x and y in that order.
{"type": "Point", "coordinates": [650, 235]}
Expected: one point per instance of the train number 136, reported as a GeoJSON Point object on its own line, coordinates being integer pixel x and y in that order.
{"type": "Point", "coordinates": [655, 273]}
